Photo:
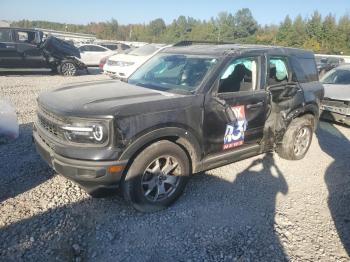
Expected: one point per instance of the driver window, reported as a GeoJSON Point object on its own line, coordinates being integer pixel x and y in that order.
{"type": "Point", "coordinates": [240, 75]}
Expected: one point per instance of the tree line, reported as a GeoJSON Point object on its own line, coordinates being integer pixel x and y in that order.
{"type": "Point", "coordinates": [322, 34]}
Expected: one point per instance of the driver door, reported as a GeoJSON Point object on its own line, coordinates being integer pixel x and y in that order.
{"type": "Point", "coordinates": [235, 111]}
{"type": "Point", "coordinates": [28, 49]}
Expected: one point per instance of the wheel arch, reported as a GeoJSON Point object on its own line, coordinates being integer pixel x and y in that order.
{"type": "Point", "coordinates": [183, 138]}
{"type": "Point", "coordinates": [308, 109]}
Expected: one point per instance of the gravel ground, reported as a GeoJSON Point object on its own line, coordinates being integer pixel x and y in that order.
{"type": "Point", "coordinates": [261, 209]}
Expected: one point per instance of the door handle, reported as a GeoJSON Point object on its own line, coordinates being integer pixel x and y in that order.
{"type": "Point", "coordinates": [10, 47]}
{"type": "Point", "coordinates": [259, 104]}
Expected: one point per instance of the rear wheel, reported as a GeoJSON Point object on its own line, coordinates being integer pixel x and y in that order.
{"type": "Point", "coordinates": [157, 177]}
{"type": "Point", "coordinates": [297, 139]}
{"type": "Point", "coordinates": [67, 68]}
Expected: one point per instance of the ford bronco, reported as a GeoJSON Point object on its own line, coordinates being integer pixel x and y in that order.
{"type": "Point", "coordinates": [191, 108]}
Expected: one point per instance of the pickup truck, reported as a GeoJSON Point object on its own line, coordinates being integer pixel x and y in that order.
{"type": "Point", "coordinates": [190, 108]}
{"type": "Point", "coordinates": [29, 49]}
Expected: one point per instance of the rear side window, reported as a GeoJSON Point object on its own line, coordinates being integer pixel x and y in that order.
{"type": "Point", "coordinates": [304, 69]}
{"type": "Point", "coordinates": [94, 48]}
{"type": "Point", "coordinates": [25, 37]}
{"type": "Point", "coordinates": [278, 70]}
{"type": "Point", "coordinates": [82, 48]}
{"type": "Point", "coordinates": [5, 35]}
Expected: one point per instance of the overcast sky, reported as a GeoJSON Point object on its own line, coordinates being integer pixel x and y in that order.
{"type": "Point", "coordinates": [136, 11]}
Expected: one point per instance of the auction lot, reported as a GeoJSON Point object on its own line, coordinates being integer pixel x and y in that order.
{"type": "Point", "coordinates": [260, 209]}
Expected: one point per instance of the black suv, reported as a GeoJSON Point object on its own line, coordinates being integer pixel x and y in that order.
{"type": "Point", "coordinates": [27, 48]}
{"type": "Point", "coordinates": [190, 108]}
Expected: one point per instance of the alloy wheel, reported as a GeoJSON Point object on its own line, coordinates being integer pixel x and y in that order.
{"type": "Point", "coordinates": [302, 141]}
{"type": "Point", "coordinates": [161, 178]}
{"type": "Point", "coordinates": [68, 69]}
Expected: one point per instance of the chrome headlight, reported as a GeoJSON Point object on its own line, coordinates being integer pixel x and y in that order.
{"type": "Point", "coordinates": [88, 133]}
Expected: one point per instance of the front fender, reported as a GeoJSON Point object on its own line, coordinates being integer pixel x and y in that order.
{"type": "Point", "coordinates": [179, 135]}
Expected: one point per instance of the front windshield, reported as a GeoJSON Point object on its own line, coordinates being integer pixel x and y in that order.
{"type": "Point", "coordinates": [173, 73]}
{"type": "Point", "coordinates": [337, 77]}
{"type": "Point", "coordinates": [145, 50]}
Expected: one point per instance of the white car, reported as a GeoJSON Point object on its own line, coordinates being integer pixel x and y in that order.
{"type": "Point", "coordinates": [123, 65]}
{"type": "Point", "coordinates": [91, 55]}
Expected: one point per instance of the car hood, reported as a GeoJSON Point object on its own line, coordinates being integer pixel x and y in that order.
{"type": "Point", "coordinates": [59, 48]}
{"type": "Point", "coordinates": [108, 98]}
{"type": "Point", "coordinates": [337, 92]}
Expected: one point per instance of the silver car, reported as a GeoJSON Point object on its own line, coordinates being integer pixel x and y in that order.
{"type": "Point", "coordinates": [336, 103]}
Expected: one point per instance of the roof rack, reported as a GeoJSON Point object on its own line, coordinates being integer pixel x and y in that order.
{"type": "Point", "coordinates": [191, 42]}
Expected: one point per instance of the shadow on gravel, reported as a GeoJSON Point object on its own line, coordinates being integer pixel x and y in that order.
{"type": "Point", "coordinates": [21, 168]}
{"type": "Point", "coordinates": [216, 220]}
{"type": "Point", "coordinates": [337, 178]}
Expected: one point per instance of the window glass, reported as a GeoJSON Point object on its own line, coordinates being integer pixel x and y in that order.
{"type": "Point", "coordinates": [94, 48]}
{"type": "Point", "coordinates": [111, 46]}
{"type": "Point", "coordinates": [278, 71]}
{"type": "Point", "coordinates": [239, 75]}
{"type": "Point", "coordinates": [124, 47]}
{"type": "Point", "coordinates": [337, 76]}
{"type": "Point", "coordinates": [82, 48]}
{"type": "Point", "coordinates": [304, 69]}
{"type": "Point", "coordinates": [26, 37]}
{"type": "Point", "coordinates": [5, 35]}
{"type": "Point", "coordinates": [22, 36]}
{"type": "Point", "coordinates": [173, 72]}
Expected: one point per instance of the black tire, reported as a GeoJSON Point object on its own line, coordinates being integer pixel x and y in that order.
{"type": "Point", "coordinates": [67, 68]}
{"type": "Point", "coordinates": [297, 139]}
{"type": "Point", "coordinates": [142, 188]}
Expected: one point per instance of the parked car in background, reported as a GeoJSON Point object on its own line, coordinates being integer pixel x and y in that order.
{"type": "Point", "coordinates": [336, 102]}
{"type": "Point", "coordinates": [118, 47]}
{"type": "Point", "coordinates": [27, 48]}
{"type": "Point", "coordinates": [190, 108]}
{"type": "Point", "coordinates": [324, 64]}
{"type": "Point", "coordinates": [123, 65]}
{"type": "Point", "coordinates": [91, 54]}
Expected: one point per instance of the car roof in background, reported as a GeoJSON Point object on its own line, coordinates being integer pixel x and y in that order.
{"type": "Point", "coordinates": [19, 28]}
{"type": "Point", "coordinates": [227, 49]}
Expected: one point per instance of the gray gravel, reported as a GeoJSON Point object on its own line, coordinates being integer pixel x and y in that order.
{"type": "Point", "coordinates": [261, 209]}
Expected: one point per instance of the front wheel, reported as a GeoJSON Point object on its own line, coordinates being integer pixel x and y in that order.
{"type": "Point", "coordinates": [157, 177]}
{"type": "Point", "coordinates": [297, 139]}
{"type": "Point", "coordinates": [67, 68]}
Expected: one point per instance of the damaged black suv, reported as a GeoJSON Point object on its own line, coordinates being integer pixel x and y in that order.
{"type": "Point", "coordinates": [191, 108]}
{"type": "Point", "coordinates": [28, 48]}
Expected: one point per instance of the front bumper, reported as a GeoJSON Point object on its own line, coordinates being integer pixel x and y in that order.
{"type": "Point", "coordinates": [335, 117]}
{"type": "Point", "coordinates": [93, 176]}
{"type": "Point", "coordinates": [117, 71]}
{"type": "Point", "coordinates": [335, 111]}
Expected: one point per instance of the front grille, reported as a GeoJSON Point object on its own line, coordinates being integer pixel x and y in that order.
{"type": "Point", "coordinates": [50, 122]}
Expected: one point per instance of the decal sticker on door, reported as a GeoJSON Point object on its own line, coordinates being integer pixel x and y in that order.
{"type": "Point", "coordinates": [234, 135]}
